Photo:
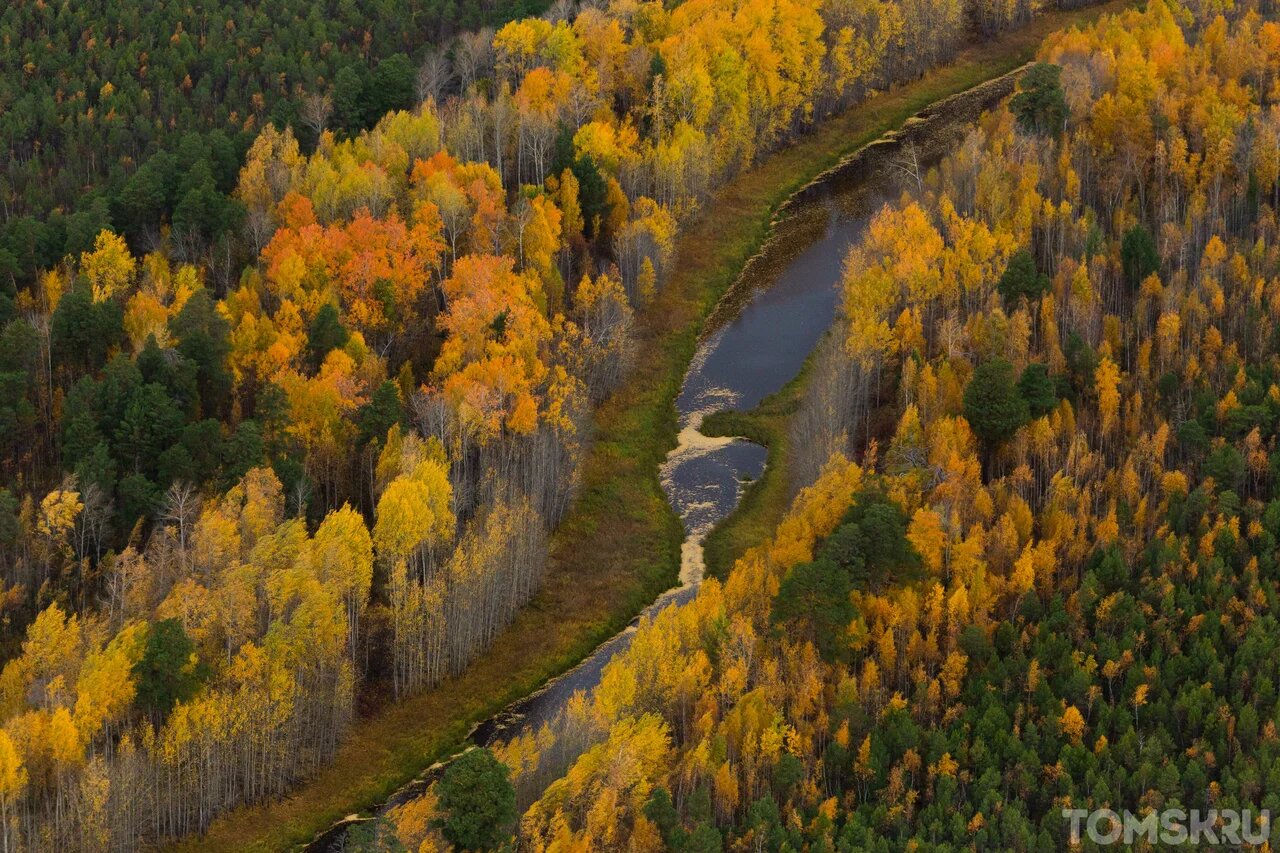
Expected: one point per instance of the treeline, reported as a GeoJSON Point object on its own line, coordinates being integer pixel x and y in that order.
{"type": "Point", "coordinates": [234, 501]}
{"type": "Point", "coordinates": [1051, 586]}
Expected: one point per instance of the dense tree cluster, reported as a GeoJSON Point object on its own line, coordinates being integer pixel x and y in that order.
{"type": "Point", "coordinates": [1053, 587]}
{"type": "Point", "coordinates": [135, 115]}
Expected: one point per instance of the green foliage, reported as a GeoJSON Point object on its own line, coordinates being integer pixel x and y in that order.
{"type": "Point", "coordinates": [661, 811]}
{"type": "Point", "coordinates": [1082, 361]}
{"type": "Point", "coordinates": [1040, 106]}
{"type": "Point", "coordinates": [1226, 466]}
{"type": "Point", "coordinates": [82, 332]}
{"type": "Point", "coordinates": [974, 642]}
{"type": "Point", "coordinates": [380, 413]}
{"type": "Point", "coordinates": [883, 526]}
{"type": "Point", "coordinates": [869, 547]}
{"type": "Point", "coordinates": [477, 801]}
{"type": "Point", "coordinates": [202, 340]}
{"type": "Point", "coordinates": [1192, 436]}
{"type": "Point", "coordinates": [992, 404]}
{"type": "Point", "coordinates": [391, 86]}
{"type": "Point", "coordinates": [10, 527]}
{"type": "Point", "coordinates": [592, 194]}
{"type": "Point", "coordinates": [1021, 280]}
{"type": "Point", "coordinates": [326, 333]}
{"type": "Point", "coordinates": [168, 671]}
{"type": "Point", "coordinates": [241, 451]}
{"type": "Point", "coordinates": [1038, 389]}
{"type": "Point", "coordinates": [703, 838]}
{"type": "Point", "coordinates": [349, 105]}
{"type": "Point", "coordinates": [139, 498]}
{"type": "Point", "coordinates": [1138, 256]}
{"type": "Point", "coordinates": [19, 354]}
{"type": "Point", "coordinates": [140, 426]}
{"type": "Point", "coordinates": [764, 819]}
{"type": "Point", "coordinates": [813, 603]}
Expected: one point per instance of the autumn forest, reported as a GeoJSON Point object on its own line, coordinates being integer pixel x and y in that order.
{"type": "Point", "coordinates": [313, 317]}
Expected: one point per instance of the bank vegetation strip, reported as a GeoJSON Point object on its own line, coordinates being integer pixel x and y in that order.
{"type": "Point", "coordinates": [619, 546]}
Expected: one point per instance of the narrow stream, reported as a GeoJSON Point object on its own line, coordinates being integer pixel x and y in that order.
{"type": "Point", "coordinates": [752, 349]}
{"type": "Point", "coordinates": [742, 361]}
{"type": "Point", "coordinates": [755, 342]}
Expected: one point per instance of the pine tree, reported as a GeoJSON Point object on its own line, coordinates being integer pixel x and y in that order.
{"type": "Point", "coordinates": [477, 801]}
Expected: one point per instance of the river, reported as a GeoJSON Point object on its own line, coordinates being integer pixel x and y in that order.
{"type": "Point", "coordinates": [755, 342]}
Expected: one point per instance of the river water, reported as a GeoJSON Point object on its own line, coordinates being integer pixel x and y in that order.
{"type": "Point", "coordinates": [755, 342]}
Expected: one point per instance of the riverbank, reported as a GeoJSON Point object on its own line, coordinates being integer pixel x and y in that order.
{"type": "Point", "coordinates": [619, 546]}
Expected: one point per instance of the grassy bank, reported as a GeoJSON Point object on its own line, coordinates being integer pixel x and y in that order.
{"type": "Point", "coordinates": [619, 546]}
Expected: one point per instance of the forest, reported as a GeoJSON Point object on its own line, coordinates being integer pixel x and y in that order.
{"type": "Point", "coordinates": [1047, 582]}
{"type": "Point", "coordinates": [293, 392]}
{"type": "Point", "coordinates": [136, 116]}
